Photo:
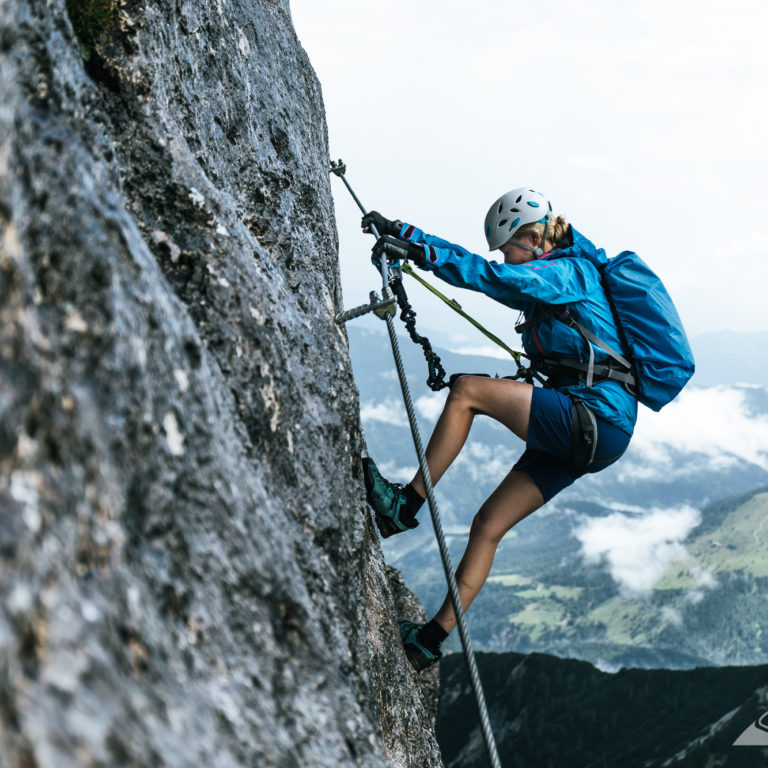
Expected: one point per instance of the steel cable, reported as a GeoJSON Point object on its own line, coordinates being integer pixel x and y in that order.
{"type": "Point", "coordinates": [469, 656]}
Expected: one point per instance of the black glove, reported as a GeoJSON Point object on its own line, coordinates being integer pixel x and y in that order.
{"type": "Point", "coordinates": [397, 249]}
{"type": "Point", "coordinates": [383, 226]}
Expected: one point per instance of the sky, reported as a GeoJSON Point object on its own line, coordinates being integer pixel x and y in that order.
{"type": "Point", "coordinates": [642, 122]}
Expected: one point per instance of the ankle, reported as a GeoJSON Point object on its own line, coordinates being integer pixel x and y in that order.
{"type": "Point", "coordinates": [432, 635]}
{"type": "Point", "coordinates": [414, 498]}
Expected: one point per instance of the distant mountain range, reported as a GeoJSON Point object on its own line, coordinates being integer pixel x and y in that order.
{"type": "Point", "coordinates": [659, 561]}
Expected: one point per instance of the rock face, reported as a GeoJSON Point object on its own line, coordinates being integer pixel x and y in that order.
{"type": "Point", "coordinates": [188, 570]}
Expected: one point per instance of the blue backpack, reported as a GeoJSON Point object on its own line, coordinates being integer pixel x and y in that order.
{"type": "Point", "coordinates": [652, 329]}
{"type": "Point", "coordinates": [661, 361]}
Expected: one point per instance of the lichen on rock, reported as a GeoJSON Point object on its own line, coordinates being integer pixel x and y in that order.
{"type": "Point", "coordinates": [188, 570]}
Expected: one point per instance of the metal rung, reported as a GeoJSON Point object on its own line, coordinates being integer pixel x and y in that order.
{"type": "Point", "coordinates": [382, 308]}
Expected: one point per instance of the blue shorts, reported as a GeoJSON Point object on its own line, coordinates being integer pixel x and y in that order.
{"type": "Point", "coordinates": [547, 456]}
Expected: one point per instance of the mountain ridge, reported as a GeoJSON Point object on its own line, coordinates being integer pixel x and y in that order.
{"type": "Point", "coordinates": [548, 711]}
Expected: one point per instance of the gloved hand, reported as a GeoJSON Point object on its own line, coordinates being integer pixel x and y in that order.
{"type": "Point", "coordinates": [383, 226]}
{"type": "Point", "coordinates": [397, 249]}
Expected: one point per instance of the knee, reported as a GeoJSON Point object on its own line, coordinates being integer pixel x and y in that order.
{"type": "Point", "coordinates": [462, 391]}
{"type": "Point", "coordinates": [486, 528]}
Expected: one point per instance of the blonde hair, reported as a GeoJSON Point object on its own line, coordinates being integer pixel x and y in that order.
{"type": "Point", "coordinates": [557, 227]}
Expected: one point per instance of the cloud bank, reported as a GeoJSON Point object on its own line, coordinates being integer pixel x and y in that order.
{"type": "Point", "coordinates": [637, 549]}
{"type": "Point", "coordinates": [714, 424]}
{"type": "Point", "coordinates": [430, 406]}
{"type": "Point", "coordinates": [389, 412]}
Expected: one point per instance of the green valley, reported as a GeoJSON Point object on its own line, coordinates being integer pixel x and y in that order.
{"type": "Point", "coordinates": [709, 607]}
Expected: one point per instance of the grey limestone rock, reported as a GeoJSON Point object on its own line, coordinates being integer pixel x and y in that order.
{"type": "Point", "coordinates": [188, 571]}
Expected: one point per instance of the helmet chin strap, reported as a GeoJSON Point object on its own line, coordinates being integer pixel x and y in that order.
{"type": "Point", "coordinates": [535, 251]}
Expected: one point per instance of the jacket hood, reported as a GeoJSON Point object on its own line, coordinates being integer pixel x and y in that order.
{"type": "Point", "coordinates": [575, 244]}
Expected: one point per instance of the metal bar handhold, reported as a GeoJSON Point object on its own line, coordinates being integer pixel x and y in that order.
{"type": "Point", "coordinates": [382, 308]}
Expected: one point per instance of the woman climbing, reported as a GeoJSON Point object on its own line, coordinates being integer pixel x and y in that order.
{"type": "Point", "coordinates": [549, 273]}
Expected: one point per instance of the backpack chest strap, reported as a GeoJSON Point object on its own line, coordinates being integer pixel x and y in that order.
{"type": "Point", "coordinates": [590, 369]}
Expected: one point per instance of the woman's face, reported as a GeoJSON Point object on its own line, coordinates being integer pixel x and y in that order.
{"type": "Point", "coordinates": [514, 254]}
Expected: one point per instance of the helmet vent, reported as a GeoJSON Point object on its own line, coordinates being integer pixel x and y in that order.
{"type": "Point", "coordinates": [517, 208]}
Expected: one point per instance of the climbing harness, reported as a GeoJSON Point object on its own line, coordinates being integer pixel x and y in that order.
{"type": "Point", "coordinates": [384, 308]}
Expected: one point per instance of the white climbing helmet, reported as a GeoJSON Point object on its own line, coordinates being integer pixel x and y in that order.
{"type": "Point", "coordinates": [511, 211]}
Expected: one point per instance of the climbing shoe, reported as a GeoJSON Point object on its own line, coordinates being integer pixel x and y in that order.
{"type": "Point", "coordinates": [389, 501]}
{"type": "Point", "coordinates": [419, 656]}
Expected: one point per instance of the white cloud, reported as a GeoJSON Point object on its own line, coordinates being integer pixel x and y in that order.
{"type": "Point", "coordinates": [637, 549]}
{"type": "Point", "coordinates": [712, 424]}
{"type": "Point", "coordinates": [694, 596]}
{"type": "Point", "coordinates": [430, 406]}
{"type": "Point", "coordinates": [608, 666]}
{"type": "Point", "coordinates": [397, 473]}
{"type": "Point", "coordinates": [672, 616]}
{"type": "Point", "coordinates": [705, 581]}
{"type": "Point", "coordinates": [389, 412]}
{"type": "Point", "coordinates": [479, 462]}
{"type": "Point", "coordinates": [704, 578]}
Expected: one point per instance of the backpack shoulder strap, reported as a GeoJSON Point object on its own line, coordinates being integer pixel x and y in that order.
{"type": "Point", "coordinates": [589, 369]}
{"type": "Point", "coordinates": [540, 317]}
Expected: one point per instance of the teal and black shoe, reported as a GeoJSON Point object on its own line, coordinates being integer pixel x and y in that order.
{"type": "Point", "coordinates": [388, 501]}
{"type": "Point", "coordinates": [419, 656]}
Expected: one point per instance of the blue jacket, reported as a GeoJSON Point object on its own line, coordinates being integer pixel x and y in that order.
{"type": "Point", "coordinates": [574, 282]}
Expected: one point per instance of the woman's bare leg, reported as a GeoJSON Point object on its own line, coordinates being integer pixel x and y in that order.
{"type": "Point", "coordinates": [513, 500]}
{"type": "Point", "coordinates": [509, 402]}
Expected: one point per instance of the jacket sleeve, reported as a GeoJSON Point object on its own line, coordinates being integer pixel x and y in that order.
{"type": "Point", "coordinates": [549, 281]}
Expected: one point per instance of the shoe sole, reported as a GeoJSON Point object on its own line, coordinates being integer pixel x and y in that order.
{"type": "Point", "coordinates": [386, 527]}
{"type": "Point", "coordinates": [417, 659]}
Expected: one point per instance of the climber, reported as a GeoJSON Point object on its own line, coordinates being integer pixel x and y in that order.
{"type": "Point", "coordinates": [568, 428]}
